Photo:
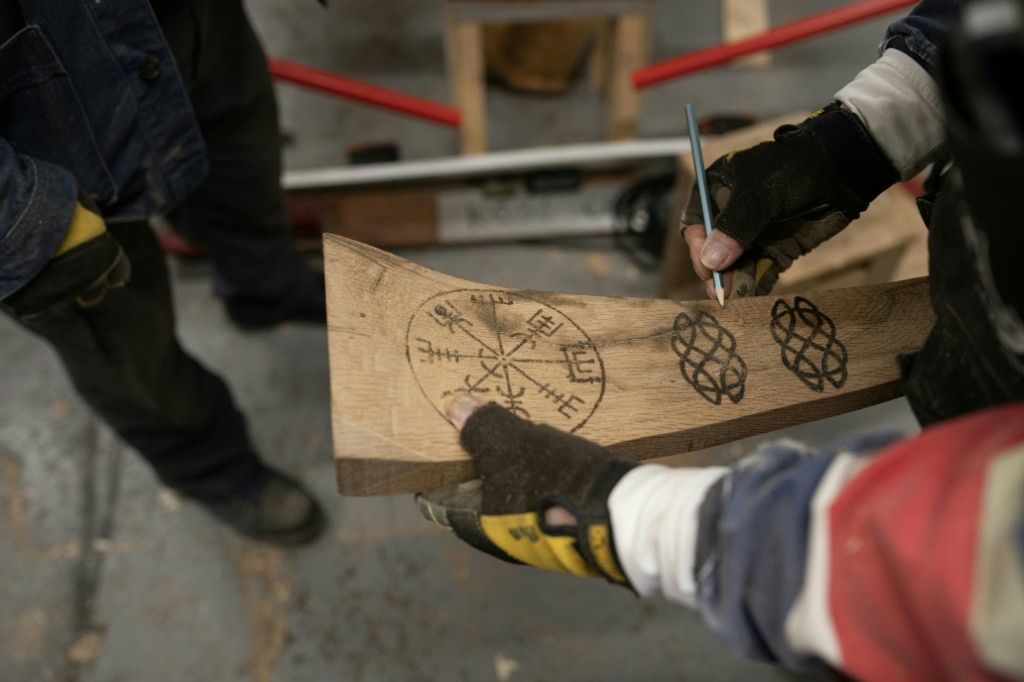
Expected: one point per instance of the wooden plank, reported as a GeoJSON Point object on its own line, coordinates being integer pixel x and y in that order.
{"type": "Point", "coordinates": [646, 377]}
{"type": "Point", "coordinates": [742, 19]}
{"type": "Point", "coordinates": [629, 52]}
{"type": "Point", "coordinates": [464, 52]}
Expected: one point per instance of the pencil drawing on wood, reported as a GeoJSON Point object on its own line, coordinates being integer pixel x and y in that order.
{"type": "Point", "coordinates": [810, 348]}
{"type": "Point", "coordinates": [643, 377]}
{"type": "Point", "coordinates": [708, 358]}
{"type": "Point", "coordinates": [506, 347]}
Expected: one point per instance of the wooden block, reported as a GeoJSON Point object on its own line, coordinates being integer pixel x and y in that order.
{"type": "Point", "coordinates": [742, 19]}
{"type": "Point", "coordinates": [540, 57]}
{"type": "Point", "coordinates": [645, 377]}
{"type": "Point", "coordinates": [392, 217]}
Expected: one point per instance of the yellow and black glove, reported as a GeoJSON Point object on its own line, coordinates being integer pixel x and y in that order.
{"type": "Point", "coordinates": [782, 198]}
{"type": "Point", "coordinates": [86, 225]}
{"type": "Point", "coordinates": [87, 264]}
{"type": "Point", "coordinates": [526, 470]}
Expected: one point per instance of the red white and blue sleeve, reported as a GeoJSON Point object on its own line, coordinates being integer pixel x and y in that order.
{"type": "Point", "coordinates": [885, 558]}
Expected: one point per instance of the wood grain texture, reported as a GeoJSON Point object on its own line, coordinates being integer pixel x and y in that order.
{"type": "Point", "coordinates": [645, 377]}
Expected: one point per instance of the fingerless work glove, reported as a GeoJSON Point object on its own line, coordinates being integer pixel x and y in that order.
{"type": "Point", "coordinates": [88, 263]}
{"type": "Point", "coordinates": [781, 198]}
{"type": "Point", "coordinates": [525, 468]}
{"type": "Point", "coordinates": [86, 225]}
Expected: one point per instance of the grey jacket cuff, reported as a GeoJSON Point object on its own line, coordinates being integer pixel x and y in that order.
{"type": "Point", "coordinates": [899, 105]}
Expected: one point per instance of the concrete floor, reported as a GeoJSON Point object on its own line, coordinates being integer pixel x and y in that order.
{"type": "Point", "coordinates": [107, 577]}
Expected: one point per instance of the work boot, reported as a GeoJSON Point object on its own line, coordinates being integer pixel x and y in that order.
{"type": "Point", "coordinates": [275, 509]}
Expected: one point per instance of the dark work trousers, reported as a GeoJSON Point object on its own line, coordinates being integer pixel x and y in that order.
{"type": "Point", "coordinates": [106, 308]}
{"type": "Point", "coordinates": [238, 212]}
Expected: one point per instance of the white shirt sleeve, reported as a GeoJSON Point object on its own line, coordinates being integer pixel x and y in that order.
{"type": "Point", "coordinates": [654, 512]}
{"type": "Point", "coordinates": [899, 103]}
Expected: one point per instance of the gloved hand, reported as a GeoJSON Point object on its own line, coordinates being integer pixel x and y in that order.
{"type": "Point", "coordinates": [542, 497]}
{"type": "Point", "coordinates": [87, 264]}
{"type": "Point", "coordinates": [779, 199]}
{"type": "Point", "coordinates": [86, 225]}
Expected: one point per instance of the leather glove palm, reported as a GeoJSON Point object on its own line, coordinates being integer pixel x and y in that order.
{"type": "Point", "coordinates": [782, 198]}
{"type": "Point", "coordinates": [526, 469]}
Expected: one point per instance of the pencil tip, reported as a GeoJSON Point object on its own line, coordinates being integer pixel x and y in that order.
{"type": "Point", "coordinates": [720, 293]}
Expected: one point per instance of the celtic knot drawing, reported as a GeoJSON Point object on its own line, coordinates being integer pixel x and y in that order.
{"type": "Point", "coordinates": [810, 349]}
{"type": "Point", "coordinates": [708, 358]}
{"type": "Point", "coordinates": [503, 346]}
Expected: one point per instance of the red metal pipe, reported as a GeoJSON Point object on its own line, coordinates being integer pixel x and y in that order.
{"type": "Point", "coordinates": [363, 92]}
{"type": "Point", "coordinates": [792, 32]}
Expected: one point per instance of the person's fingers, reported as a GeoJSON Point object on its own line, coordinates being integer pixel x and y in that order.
{"type": "Point", "coordinates": [460, 409]}
{"type": "Point", "coordinates": [719, 251]}
{"type": "Point", "coordinates": [697, 241]}
{"type": "Point", "coordinates": [559, 517]}
{"type": "Point", "coordinates": [695, 238]}
{"type": "Point", "coordinates": [709, 285]}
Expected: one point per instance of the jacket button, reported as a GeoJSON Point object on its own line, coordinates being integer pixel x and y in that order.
{"type": "Point", "coordinates": [149, 68]}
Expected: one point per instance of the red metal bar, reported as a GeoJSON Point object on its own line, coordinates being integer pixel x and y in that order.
{"type": "Point", "coordinates": [792, 32]}
{"type": "Point", "coordinates": [363, 92]}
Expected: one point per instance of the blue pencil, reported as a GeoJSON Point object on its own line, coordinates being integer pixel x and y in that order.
{"type": "Point", "coordinates": [702, 188]}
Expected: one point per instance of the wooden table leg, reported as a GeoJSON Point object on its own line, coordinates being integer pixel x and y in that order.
{"type": "Point", "coordinates": [465, 55]}
{"type": "Point", "coordinates": [742, 19]}
{"type": "Point", "coordinates": [630, 48]}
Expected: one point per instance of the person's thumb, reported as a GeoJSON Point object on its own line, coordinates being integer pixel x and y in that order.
{"type": "Point", "coordinates": [461, 407]}
{"type": "Point", "coordinates": [720, 251]}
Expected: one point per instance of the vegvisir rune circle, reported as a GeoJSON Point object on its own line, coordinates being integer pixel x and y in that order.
{"type": "Point", "coordinates": [508, 348]}
{"type": "Point", "coordinates": [810, 349]}
{"type": "Point", "coordinates": [708, 358]}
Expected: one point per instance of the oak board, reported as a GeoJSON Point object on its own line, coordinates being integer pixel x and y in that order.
{"type": "Point", "coordinates": [644, 377]}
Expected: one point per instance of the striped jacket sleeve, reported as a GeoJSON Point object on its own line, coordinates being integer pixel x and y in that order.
{"type": "Point", "coordinates": [887, 559]}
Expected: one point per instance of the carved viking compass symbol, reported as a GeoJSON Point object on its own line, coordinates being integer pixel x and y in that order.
{"type": "Point", "coordinates": [810, 349]}
{"type": "Point", "coordinates": [708, 358]}
{"type": "Point", "coordinates": [503, 346]}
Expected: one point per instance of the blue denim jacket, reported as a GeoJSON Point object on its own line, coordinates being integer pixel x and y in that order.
{"type": "Point", "coordinates": [921, 32]}
{"type": "Point", "coordinates": [91, 101]}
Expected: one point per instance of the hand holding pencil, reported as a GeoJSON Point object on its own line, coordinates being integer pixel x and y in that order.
{"type": "Point", "coordinates": [776, 201]}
